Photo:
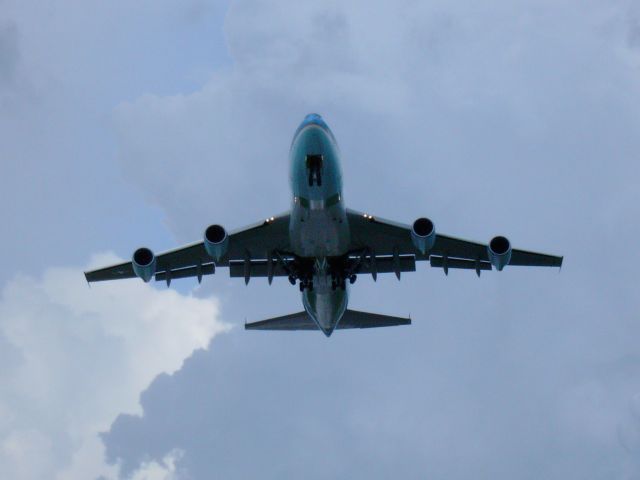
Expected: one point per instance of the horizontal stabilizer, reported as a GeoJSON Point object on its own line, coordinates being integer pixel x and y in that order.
{"type": "Point", "coordinates": [356, 319]}
{"type": "Point", "coordinates": [294, 321]}
{"type": "Point", "coordinates": [350, 319]}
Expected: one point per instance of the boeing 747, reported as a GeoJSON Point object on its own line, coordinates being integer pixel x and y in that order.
{"type": "Point", "coordinates": [321, 246]}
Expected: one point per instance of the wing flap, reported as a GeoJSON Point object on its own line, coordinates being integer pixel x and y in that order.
{"type": "Point", "coordinates": [387, 264]}
{"type": "Point", "coordinates": [439, 262]}
{"type": "Point", "coordinates": [206, 269]}
{"type": "Point", "coordinates": [383, 264]}
{"type": "Point", "coordinates": [257, 268]}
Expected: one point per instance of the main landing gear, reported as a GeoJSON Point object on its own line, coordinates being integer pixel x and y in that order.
{"type": "Point", "coordinates": [306, 285]}
{"type": "Point", "coordinates": [302, 270]}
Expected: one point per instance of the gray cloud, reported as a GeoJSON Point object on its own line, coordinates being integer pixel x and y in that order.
{"type": "Point", "coordinates": [516, 119]}
{"type": "Point", "coordinates": [63, 66]}
{"type": "Point", "coordinates": [499, 119]}
{"type": "Point", "coordinates": [485, 119]}
{"type": "Point", "coordinates": [380, 404]}
{"type": "Point", "coordinates": [72, 358]}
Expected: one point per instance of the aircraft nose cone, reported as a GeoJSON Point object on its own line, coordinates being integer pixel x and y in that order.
{"type": "Point", "coordinates": [316, 133]}
{"type": "Point", "coordinates": [314, 119]}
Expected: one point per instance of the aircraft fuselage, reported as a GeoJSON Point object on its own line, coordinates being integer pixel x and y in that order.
{"type": "Point", "coordinates": [319, 230]}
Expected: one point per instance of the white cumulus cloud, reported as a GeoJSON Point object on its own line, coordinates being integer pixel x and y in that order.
{"type": "Point", "coordinates": [73, 357]}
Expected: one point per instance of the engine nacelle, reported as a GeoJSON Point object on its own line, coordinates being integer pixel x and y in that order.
{"type": "Point", "coordinates": [499, 251]}
{"type": "Point", "coordinates": [423, 235]}
{"type": "Point", "coordinates": [216, 241]}
{"type": "Point", "coordinates": [144, 263]}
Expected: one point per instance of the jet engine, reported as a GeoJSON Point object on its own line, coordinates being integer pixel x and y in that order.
{"type": "Point", "coordinates": [144, 263]}
{"type": "Point", "coordinates": [499, 250]}
{"type": "Point", "coordinates": [423, 235]}
{"type": "Point", "coordinates": [216, 241]}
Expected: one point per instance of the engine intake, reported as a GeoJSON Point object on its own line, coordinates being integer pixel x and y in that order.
{"type": "Point", "coordinates": [499, 251]}
{"type": "Point", "coordinates": [144, 263]}
{"type": "Point", "coordinates": [423, 235]}
{"type": "Point", "coordinates": [216, 241]}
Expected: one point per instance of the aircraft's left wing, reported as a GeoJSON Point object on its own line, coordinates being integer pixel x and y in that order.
{"type": "Point", "coordinates": [387, 239]}
{"type": "Point", "coordinates": [254, 241]}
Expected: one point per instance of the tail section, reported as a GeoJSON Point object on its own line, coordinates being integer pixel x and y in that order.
{"type": "Point", "coordinates": [356, 319]}
{"type": "Point", "coordinates": [350, 319]}
{"type": "Point", "coordinates": [294, 321]}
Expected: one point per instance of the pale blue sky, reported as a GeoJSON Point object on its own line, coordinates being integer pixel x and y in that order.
{"type": "Point", "coordinates": [124, 125]}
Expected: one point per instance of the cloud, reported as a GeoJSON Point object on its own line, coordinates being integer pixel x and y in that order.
{"type": "Point", "coordinates": [440, 92]}
{"type": "Point", "coordinates": [163, 470]}
{"type": "Point", "coordinates": [74, 357]}
{"type": "Point", "coordinates": [515, 117]}
{"type": "Point", "coordinates": [493, 118]}
{"type": "Point", "coordinates": [392, 402]}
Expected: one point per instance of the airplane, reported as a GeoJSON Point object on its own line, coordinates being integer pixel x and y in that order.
{"type": "Point", "coordinates": [321, 245]}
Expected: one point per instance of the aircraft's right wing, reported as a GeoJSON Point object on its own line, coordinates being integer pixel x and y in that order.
{"type": "Point", "coordinates": [386, 239]}
{"type": "Point", "coordinates": [254, 241]}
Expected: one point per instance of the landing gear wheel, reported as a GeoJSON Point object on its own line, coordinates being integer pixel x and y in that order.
{"type": "Point", "coordinates": [292, 280]}
{"type": "Point", "coordinates": [301, 286]}
{"type": "Point", "coordinates": [352, 279]}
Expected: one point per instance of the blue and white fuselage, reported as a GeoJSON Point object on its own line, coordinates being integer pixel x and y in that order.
{"type": "Point", "coordinates": [319, 229]}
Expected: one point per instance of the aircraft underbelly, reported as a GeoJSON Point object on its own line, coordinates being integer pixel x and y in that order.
{"type": "Point", "coordinates": [319, 233]}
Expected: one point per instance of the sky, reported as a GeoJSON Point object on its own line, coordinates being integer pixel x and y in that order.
{"type": "Point", "coordinates": [125, 124]}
